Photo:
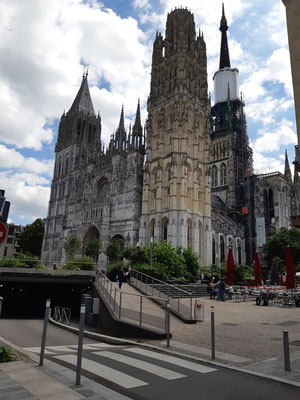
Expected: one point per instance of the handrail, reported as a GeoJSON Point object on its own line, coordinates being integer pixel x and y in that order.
{"type": "Point", "coordinates": [178, 302]}
{"type": "Point", "coordinates": [130, 306]}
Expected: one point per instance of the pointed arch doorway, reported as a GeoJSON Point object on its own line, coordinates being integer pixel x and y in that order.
{"type": "Point", "coordinates": [92, 233]}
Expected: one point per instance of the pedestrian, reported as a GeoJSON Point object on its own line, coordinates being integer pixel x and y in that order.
{"type": "Point", "coordinates": [221, 287]}
{"type": "Point", "coordinates": [120, 277]}
{"type": "Point", "coordinates": [128, 273]}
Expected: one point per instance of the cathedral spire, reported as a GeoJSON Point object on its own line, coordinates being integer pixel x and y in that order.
{"type": "Point", "coordinates": [83, 101]}
{"type": "Point", "coordinates": [287, 170]}
{"type": "Point", "coordinates": [122, 123]}
{"type": "Point", "coordinates": [224, 54]}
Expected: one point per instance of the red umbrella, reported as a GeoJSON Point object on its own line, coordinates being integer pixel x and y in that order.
{"type": "Point", "coordinates": [281, 280]}
{"type": "Point", "coordinates": [290, 269]}
{"type": "Point", "coordinates": [257, 270]}
{"type": "Point", "coordinates": [230, 268]}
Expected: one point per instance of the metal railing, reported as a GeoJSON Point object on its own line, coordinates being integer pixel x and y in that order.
{"type": "Point", "coordinates": [62, 314]}
{"type": "Point", "coordinates": [137, 309]}
{"type": "Point", "coordinates": [181, 301]}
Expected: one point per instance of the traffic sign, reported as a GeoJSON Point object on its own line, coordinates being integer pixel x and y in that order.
{"type": "Point", "coordinates": [2, 232]}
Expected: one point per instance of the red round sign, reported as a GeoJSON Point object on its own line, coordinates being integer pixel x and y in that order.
{"type": "Point", "coordinates": [2, 232]}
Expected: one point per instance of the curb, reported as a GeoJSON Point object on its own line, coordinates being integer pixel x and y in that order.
{"type": "Point", "coordinates": [114, 340]}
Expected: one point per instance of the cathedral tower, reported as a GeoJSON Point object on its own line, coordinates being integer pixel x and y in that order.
{"type": "Point", "coordinates": [230, 153]}
{"type": "Point", "coordinates": [95, 193]}
{"type": "Point", "coordinates": [176, 190]}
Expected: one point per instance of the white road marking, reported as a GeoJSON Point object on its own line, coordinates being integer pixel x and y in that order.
{"type": "Point", "coordinates": [36, 350]}
{"type": "Point", "coordinates": [145, 366]}
{"type": "Point", "coordinates": [172, 360]}
{"type": "Point", "coordinates": [60, 348]}
{"type": "Point", "coordinates": [105, 372]}
{"type": "Point", "coordinates": [93, 346]}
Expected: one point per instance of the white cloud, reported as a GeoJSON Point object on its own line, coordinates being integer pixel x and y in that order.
{"type": "Point", "coordinates": [265, 110]}
{"type": "Point", "coordinates": [27, 195]}
{"type": "Point", "coordinates": [12, 159]}
{"type": "Point", "coordinates": [270, 141]}
{"type": "Point", "coordinates": [41, 50]}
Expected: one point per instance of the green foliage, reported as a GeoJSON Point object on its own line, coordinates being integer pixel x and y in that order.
{"type": "Point", "coordinates": [166, 260]}
{"type": "Point", "coordinates": [29, 260]}
{"type": "Point", "coordinates": [112, 270]}
{"type": "Point", "coordinates": [31, 238]}
{"type": "Point", "coordinates": [93, 248]}
{"type": "Point", "coordinates": [12, 263]}
{"type": "Point", "coordinates": [81, 263]}
{"type": "Point", "coordinates": [113, 250]}
{"type": "Point", "coordinates": [192, 264]}
{"type": "Point", "coordinates": [72, 245]}
{"type": "Point", "coordinates": [157, 271]}
{"type": "Point", "coordinates": [136, 255]}
{"type": "Point", "coordinates": [276, 246]}
{"type": "Point", "coordinates": [6, 354]}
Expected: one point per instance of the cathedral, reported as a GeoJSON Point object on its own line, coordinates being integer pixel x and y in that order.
{"type": "Point", "coordinates": [186, 178]}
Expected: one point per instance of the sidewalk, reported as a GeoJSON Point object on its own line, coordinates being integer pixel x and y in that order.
{"type": "Point", "coordinates": [25, 380]}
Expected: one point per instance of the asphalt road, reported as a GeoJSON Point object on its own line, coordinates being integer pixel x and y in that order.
{"type": "Point", "coordinates": [143, 374]}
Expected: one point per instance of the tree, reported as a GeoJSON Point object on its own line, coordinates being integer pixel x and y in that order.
{"type": "Point", "coordinates": [113, 250]}
{"type": "Point", "coordinates": [191, 263]}
{"type": "Point", "coordinates": [93, 248]}
{"type": "Point", "coordinates": [72, 245]}
{"type": "Point", "coordinates": [31, 238]}
{"type": "Point", "coordinates": [275, 247]}
{"type": "Point", "coordinates": [167, 259]}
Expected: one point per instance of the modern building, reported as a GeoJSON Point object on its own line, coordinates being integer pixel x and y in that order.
{"type": "Point", "coordinates": [10, 247]}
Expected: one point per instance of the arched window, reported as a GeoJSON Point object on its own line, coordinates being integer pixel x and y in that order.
{"type": "Point", "coordinates": [239, 253]}
{"type": "Point", "coordinates": [151, 228]}
{"type": "Point", "coordinates": [200, 236]}
{"type": "Point", "coordinates": [103, 190]}
{"type": "Point", "coordinates": [223, 175]}
{"type": "Point", "coordinates": [213, 250]}
{"type": "Point", "coordinates": [67, 164]}
{"type": "Point", "coordinates": [59, 167]}
{"type": "Point", "coordinates": [164, 228]}
{"type": "Point", "coordinates": [222, 248]}
{"type": "Point", "coordinates": [189, 234]}
{"type": "Point", "coordinates": [214, 176]}
{"type": "Point", "coordinates": [269, 205]}
{"type": "Point", "coordinates": [78, 127]}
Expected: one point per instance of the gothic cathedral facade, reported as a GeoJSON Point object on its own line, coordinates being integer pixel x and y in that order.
{"type": "Point", "coordinates": [187, 178]}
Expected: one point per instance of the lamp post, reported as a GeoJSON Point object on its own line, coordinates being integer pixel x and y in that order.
{"type": "Point", "coordinates": [151, 249]}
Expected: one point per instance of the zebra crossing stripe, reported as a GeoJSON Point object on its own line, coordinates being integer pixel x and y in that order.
{"type": "Point", "coordinates": [92, 346]}
{"type": "Point", "coordinates": [172, 360]}
{"type": "Point", "coordinates": [105, 372]}
{"type": "Point", "coordinates": [145, 366]}
{"type": "Point", "coordinates": [37, 350]}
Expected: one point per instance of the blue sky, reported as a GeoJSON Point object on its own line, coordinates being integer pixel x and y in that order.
{"type": "Point", "coordinates": [44, 45]}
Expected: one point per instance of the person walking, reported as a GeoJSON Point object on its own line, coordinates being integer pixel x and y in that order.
{"type": "Point", "coordinates": [221, 287]}
{"type": "Point", "coordinates": [120, 277]}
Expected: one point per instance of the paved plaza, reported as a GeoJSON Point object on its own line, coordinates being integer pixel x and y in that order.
{"type": "Point", "coordinates": [246, 335]}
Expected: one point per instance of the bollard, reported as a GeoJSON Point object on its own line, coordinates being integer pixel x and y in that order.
{"type": "Point", "coordinates": [168, 323]}
{"type": "Point", "coordinates": [80, 342]}
{"type": "Point", "coordinates": [212, 324]}
{"type": "Point", "coordinates": [286, 350]}
{"type": "Point", "coordinates": [43, 344]}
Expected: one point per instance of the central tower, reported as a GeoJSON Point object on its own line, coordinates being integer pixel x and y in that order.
{"type": "Point", "coordinates": [176, 191]}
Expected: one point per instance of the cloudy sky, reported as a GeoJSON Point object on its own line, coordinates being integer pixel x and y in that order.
{"type": "Point", "coordinates": [45, 44]}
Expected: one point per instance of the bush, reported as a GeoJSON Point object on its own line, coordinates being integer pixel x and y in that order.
{"type": "Point", "coordinates": [112, 270]}
{"type": "Point", "coordinates": [81, 263]}
{"type": "Point", "coordinates": [192, 264]}
{"type": "Point", "coordinates": [113, 250]}
{"type": "Point", "coordinates": [12, 263]}
{"type": "Point", "coordinates": [6, 354]}
{"type": "Point", "coordinates": [136, 255]}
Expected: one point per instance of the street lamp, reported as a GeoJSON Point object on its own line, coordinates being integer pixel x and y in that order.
{"type": "Point", "coordinates": [151, 249]}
